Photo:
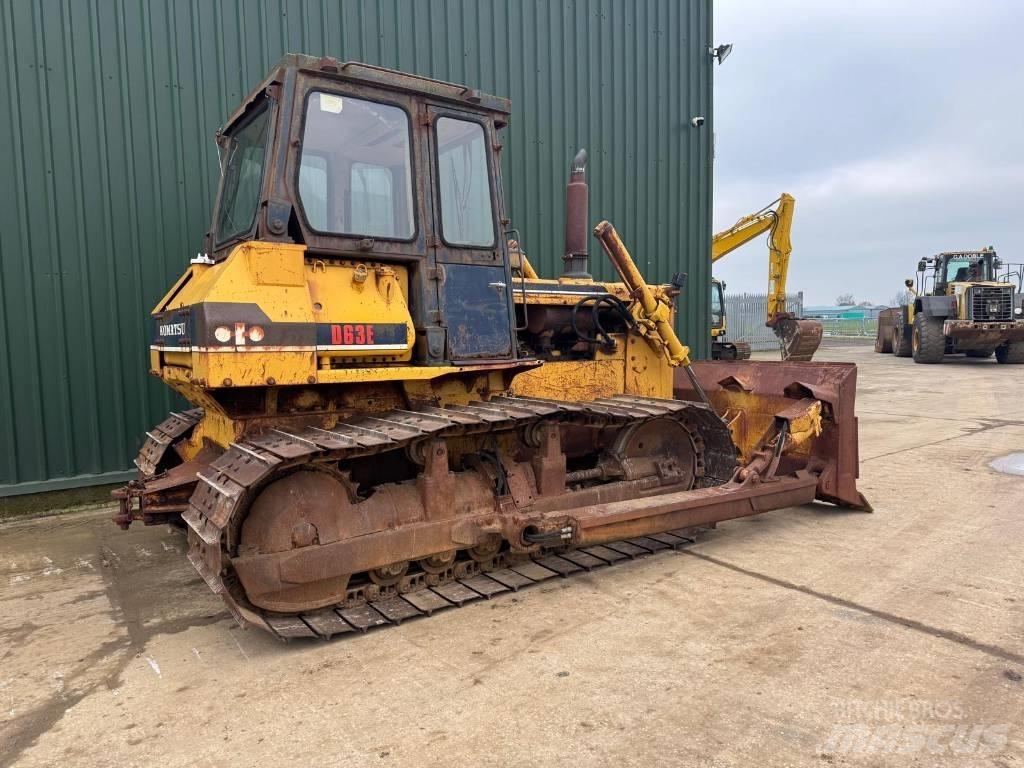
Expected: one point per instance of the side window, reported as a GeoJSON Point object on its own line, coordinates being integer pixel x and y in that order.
{"type": "Point", "coordinates": [716, 305]}
{"type": "Point", "coordinates": [242, 177]}
{"type": "Point", "coordinates": [466, 214]}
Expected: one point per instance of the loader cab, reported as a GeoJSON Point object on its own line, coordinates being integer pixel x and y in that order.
{"type": "Point", "coordinates": [962, 267]}
{"type": "Point", "coordinates": [363, 164]}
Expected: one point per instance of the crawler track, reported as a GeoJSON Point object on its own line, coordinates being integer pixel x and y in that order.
{"type": "Point", "coordinates": [229, 484]}
{"type": "Point", "coordinates": [511, 576]}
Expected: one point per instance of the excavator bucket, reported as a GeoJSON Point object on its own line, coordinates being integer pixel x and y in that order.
{"type": "Point", "coordinates": [751, 395]}
{"type": "Point", "coordinates": [800, 338]}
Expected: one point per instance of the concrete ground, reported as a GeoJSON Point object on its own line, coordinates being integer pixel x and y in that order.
{"type": "Point", "coordinates": [808, 636]}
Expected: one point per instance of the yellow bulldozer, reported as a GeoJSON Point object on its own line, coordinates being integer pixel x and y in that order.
{"type": "Point", "coordinates": [392, 415]}
{"type": "Point", "coordinates": [799, 338]}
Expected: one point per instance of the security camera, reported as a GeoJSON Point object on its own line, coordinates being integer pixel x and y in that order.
{"type": "Point", "coordinates": [697, 121]}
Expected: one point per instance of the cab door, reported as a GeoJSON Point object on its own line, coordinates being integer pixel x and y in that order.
{"type": "Point", "coordinates": [475, 294]}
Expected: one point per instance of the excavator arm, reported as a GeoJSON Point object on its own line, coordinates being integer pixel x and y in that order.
{"type": "Point", "coordinates": [800, 338]}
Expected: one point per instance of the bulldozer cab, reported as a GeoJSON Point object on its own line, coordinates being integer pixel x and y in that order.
{"type": "Point", "coordinates": [358, 162]}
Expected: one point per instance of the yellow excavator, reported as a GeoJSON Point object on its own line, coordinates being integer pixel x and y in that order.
{"type": "Point", "coordinates": [799, 338]}
{"type": "Point", "coordinates": [393, 415]}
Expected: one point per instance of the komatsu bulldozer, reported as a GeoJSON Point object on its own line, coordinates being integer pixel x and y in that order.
{"type": "Point", "coordinates": [394, 414]}
{"type": "Point", "coordinates": [799, 337]}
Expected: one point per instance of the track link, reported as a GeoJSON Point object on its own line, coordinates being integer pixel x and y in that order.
{"type": "Point", "coordinates": [395, 608]}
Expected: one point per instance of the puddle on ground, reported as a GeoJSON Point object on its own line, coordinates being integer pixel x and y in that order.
{"type": "Point", "coordinates": [1011, 464]}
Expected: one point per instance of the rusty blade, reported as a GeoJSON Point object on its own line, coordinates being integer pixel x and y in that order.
{"type": "Point", "coordinates": [748, 394]}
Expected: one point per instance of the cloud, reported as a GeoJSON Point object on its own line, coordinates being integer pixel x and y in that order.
{"type": "Point", "coordinates": [900, 134]}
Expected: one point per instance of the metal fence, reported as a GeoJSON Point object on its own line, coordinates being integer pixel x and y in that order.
{"type": "Point", "coordinates": [746, 313]}
{"type": "Point", "coordinates": [849, 326]}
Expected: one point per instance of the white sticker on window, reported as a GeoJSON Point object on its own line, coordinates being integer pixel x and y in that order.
{"type": "Point", "coordinates": [331, 103]}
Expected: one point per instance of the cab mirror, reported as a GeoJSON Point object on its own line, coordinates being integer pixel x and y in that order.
{"type": "Point", "coordinates": [921, 265]}
{"type": "Point", "coordinates": [909, 283]}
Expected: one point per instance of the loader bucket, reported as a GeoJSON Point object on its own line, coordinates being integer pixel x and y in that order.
{"type": "Point", "coordinates": [749, 394]}
{"type": "Point", "coordinates": [887, 322]}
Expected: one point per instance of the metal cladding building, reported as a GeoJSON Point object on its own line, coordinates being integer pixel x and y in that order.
{"type": "Point", "coordinates": [107, 153]}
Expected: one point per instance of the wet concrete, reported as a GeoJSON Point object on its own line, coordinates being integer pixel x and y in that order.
{"type": "Point", "coordinates": [1011, 464]}
{"type": "Point", "coordinates": [764, 644]}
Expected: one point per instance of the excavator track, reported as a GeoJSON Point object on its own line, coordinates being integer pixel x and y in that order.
{"type": "Point", "coordinates": [228, 486]}
{"type": "Point", "coordinates": [730, 350]}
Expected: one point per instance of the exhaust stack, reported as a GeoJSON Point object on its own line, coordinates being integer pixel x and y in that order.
{"type": "Point", "coordinates": [577, 230]}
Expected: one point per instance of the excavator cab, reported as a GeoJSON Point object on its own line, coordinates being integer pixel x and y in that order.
{"type": "Point", "coordinates": [720, 348]}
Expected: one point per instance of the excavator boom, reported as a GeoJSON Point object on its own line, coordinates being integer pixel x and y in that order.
{"type": "Point", "coordinates": [800, 338]}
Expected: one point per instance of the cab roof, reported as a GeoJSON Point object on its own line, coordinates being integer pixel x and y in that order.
{"type": "Point", "coordinates": [360, 73]}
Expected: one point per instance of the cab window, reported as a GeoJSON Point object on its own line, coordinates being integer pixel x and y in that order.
{"type": "Point", "coordinates": [716, 305]}
{"type": "Point", "coordinates": [242, 176]}
{"type": "Point", "coordinates": [355, 168]}
{"type": "Point", "coordinates": [313, 189]}
{"type": "Point", "coordinates": [466, 215]}
{"type": "Point", "coordinates": [966, 269]}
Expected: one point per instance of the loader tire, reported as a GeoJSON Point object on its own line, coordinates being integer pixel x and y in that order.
{"type": "Point", "coordinates": [982, 354]}
{"type": "Point", "coordinates": [900, 343]}
{"type": "Point", "coordinates": [1011, 352]}
{"type": "Point", "coordinates": [928, 343]}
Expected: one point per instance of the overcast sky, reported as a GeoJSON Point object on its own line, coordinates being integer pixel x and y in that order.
{"type": "Point", "coordinates": [897, 126]}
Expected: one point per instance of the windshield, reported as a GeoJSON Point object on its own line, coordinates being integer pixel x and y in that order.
{"type": "Point", "coordinates": [355, 170]}
{"type": "Point", "coordinates": [964, 269]}
{"type": "Point", "coordinates": [466, 217]}
{"type": "Point", "coordinates": [242, 177]}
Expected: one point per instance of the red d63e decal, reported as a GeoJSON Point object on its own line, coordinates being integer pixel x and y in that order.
{"type": "Point", "coordinates": [352, 333]}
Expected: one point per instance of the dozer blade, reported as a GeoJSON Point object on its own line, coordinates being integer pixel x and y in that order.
{"type": "Point", "coordinates": [800, 338]}
{"type": "Point", "coordinates": [749, 395]}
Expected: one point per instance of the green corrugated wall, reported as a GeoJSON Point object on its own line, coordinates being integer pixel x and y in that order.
{"type": "Point", "coordinates": [108, 168]}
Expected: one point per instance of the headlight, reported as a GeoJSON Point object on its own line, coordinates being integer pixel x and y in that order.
{"type": "Point", "coordinates": [222, 334]}
{"type": "Point", "coordinates": [1018, 311]}
{"type": "Point", "coordinates": [256, 334]}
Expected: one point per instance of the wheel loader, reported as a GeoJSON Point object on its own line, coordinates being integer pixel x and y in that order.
{"type": "Point", "coordinates": [957, 305]}
{"type": "Point", "coordinates": [393, 414]}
